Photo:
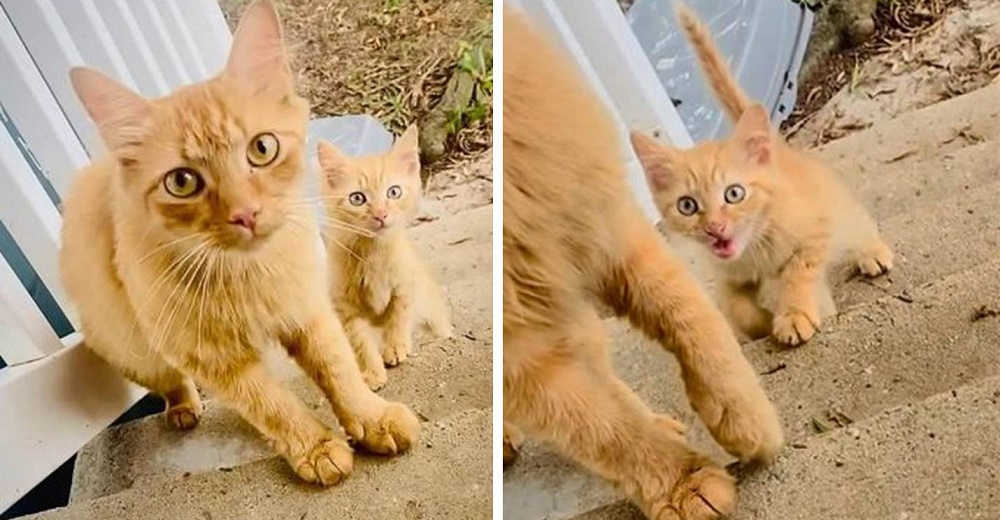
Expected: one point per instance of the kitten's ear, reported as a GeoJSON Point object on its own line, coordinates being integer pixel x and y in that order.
{"type": "Point", "coordinates": [333, 162]}
{"type": "Point", "coordinates": [753, 133]}
{"type": "Point", "coordinates": [657, 160]}
{"type": "Point", "coordinates": [119, 113]}
{"type": "Point", "coordinates": [406, 150]}
{"type": "Point", "coordinates": [258, 57]}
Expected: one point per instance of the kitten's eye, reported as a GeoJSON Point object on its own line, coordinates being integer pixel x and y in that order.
{"type": "Point", "coordinates": [394, 192]}
{"type": "Point", "coordinates": [735, 194]}
{"type": "Point", "coordinates": [687, 206]}
{"type": "Point", "coordinates": [263, 149]}
{"type": "Point", "coordinates": [183, 183]}
{"type": "Point", "coordinates": [357, 198]}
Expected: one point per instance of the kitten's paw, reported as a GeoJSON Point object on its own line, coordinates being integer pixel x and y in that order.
{"type": "Point", "coordinates": [671, 425]}
{"type": "Point", "coordinates": [794, 328]}
{"type": "Point", "coordinates": [183, 416]}
{"type": "Point", "coordinates": [706, 493]}
{"type": "Point", "coordinates": [395, 352]}
{"type": "Point", "coordinates": [877, 261]}
{"type": "Point", "coordinates": [325, 464]}
{"type": "Point", "coordinates": [442, 330]}
{"type": "Point", "coordinates": [394, 432]}
{"type": "Point", "coordinates": [375, 377]}
{"type": "Point", "coordinates": [513, 439]}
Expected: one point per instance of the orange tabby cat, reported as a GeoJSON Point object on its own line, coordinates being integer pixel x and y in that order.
{"type": "Point", "coordinates": [573, 236]}
{"type": "Point", "coordinates": [381, 288]}
{"type": "Point", "coordinates": [187, 251]}
{"type": "Point", "coordinates": [773, 218]}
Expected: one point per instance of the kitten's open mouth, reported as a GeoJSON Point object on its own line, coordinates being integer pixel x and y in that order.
{"type": "Point", "coordinates": [723, 247]}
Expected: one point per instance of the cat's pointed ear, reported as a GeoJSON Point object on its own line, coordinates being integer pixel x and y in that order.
{"type": "Point", "coordinates": [258, 57]}
{"type": "Point", "coordinates": [119, 113]}
{"type": "Point", "coordinates": [753, 133]}
{"type": "Point", "coordinates": [406, 150]}
{"type": "Point", "coordinates": [333, 162]}
{"type": "Point", "coordinates": [657, 160]}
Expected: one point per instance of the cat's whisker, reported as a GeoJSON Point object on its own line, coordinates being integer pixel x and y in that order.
{"type": "Point", "coordinates": [203, 288]}
{"type": "Point", "coordinates": [168, 244]}
{"type": "Point", "coordinates": [190, 273]}
{"type": "Point", "coordinates": [175, 266]}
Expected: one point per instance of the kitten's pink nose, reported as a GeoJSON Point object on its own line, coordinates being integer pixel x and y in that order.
{"type": "Point", "coordinates": [716, 229]}
{"type": "Point", "coordinates": [245, 218]}
{"type": "Point", "coordinates": [380, 214]}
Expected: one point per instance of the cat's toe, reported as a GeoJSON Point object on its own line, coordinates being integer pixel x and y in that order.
{"type": "Point", "coordinates": [183, 417]}
{"type": "Point", "coordinates": [876, 262]}
{"type": "Point", "coordinates": [326, 464]}
{"type": "Point", "coordinates": [395, 353]}
{"type": "Point", "coordinates": [794, 328]}
{"type": "Point", "coordinates": [705, 493]}
{"type": "Point", "coordinates": [513, 439]}
{"type": "Point", "coordinates": [394, 432]}
{"type": "Point", "coordinates": [375, 378]}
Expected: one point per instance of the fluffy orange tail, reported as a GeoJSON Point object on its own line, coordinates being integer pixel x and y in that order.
{"type": "Point", "coordinates": [714, 66]}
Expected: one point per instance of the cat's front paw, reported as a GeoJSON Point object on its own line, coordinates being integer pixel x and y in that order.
{"type": "Point", "coordinates": [876, 261]}
{"type": "Point", "coordinates": [375, 377]}
{"type": "Point", "coordinates": [392, 432]}
{"type": "Point", "coordinates": [395, 352]}
{"type": "Point", "coordinates": [513, 439]}
{"type": "Point", "coordinates": [794, 328]}
{"type": "Point", "coordinates": [326, 464]}
{"type": "Point", "coordinates": [183, 416]}
{"type": "Point", "coordinates": [442, 330]}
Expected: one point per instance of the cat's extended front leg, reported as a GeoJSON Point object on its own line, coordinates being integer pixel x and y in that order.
{"type": "Point", "coordinates": [243, 382]}
{"type": "Point", "coordinates": [363, 338]}
{"type": "Point", "coordinates": [320, 347]}
{"type": "Point", "coordinates": [398, 328]}
{"type": "Point", "coordinates": [797, 315]}
{"type": "Point", "coordinates": [659, 296]}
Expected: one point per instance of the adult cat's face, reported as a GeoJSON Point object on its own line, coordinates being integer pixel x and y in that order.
{"type": "Point", "coordinates": [377, 193]}
{"type": "Point", "coordinates": [219, 160]}
{"type": "Point", "coordinates": [715, 193]}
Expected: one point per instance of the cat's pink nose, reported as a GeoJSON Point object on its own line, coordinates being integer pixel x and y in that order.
{"type": "Point", "coordinates": [246, 218]}
{"type": "Point", "coordinates": [716, 229]}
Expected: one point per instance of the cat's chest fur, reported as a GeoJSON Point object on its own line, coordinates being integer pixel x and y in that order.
{"type": "Point", "coordinates": [371, 275]}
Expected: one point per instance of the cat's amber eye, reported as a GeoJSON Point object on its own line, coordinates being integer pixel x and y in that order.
{"type": "Point", "coordinates": [735, 194]}
{"type": "Point", "coordinates": [183, 183]}
{"type": "Point", "coordinates": [687, 206]}
{"type": "Point", "coordinates": [394, 191]}
{"type": "Point", "coordinates": [357, 198]}
{"type": "Point", "coordinates": [263, 149]}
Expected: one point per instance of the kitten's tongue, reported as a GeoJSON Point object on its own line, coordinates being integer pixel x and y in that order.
{"type": "Point", "coordinates": [724, 248]}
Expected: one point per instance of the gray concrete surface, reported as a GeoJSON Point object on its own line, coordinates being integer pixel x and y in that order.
{"type": "Point", "coordinates": [447, 382]}
{"type": "Point", "coordinates": [931, 178]}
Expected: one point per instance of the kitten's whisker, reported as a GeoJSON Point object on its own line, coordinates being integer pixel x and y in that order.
{"type": "Point", "coordinates": [160, 333]}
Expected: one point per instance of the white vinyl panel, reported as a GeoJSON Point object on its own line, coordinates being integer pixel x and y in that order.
{"type": "Point", "coordinates": [53, 407]}
{"type": "Point", "coordinates": [179, 19]}
{"type": "Point", "coordinates": [210, 33]}
{"type": "Point", "coordinates": [162, 42]}
{"type": "Point", "coordinates": [129, 37]}
{"type": "Point", "coordinates": [31, 219]}
{"type": "Point", "coordinates": [93, 40]}
{"type": "Point", "coordinates": [582, 36]}
{"type": "Point", "coordinates": [32, 108]}
{"type": "Point", "coordinates": [25, 334]}
{"type": "Point", "coordinates": [42, 31]}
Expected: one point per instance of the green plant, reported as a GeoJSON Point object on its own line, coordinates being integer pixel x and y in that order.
{"type": "Point", "coordinates": [475, 60]}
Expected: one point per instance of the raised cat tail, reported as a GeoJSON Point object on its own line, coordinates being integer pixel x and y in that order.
{"type": "Point", "coordinates": [713, 65]}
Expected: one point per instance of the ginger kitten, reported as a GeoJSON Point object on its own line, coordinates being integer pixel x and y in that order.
{"type": "Point", "coordinates": [186, 251]}
{"type": "Point", "coordinates": [573, 237]}
{"type": "Point", "coordinates": [773, 218]}
{"type": "Point", "coordinates": [381, 288]}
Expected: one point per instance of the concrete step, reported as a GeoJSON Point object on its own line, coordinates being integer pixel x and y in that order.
{"type": "Point", "coordinates": [924, 461]}
{"type": "Point", "coordinates": [873, 357]}
{"type": "Point", "coordinates": [919, 135]}
{"type": "Point", "coordinates": [448, 475]}
{"type": "Point", "coordinates": [442, 377]}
